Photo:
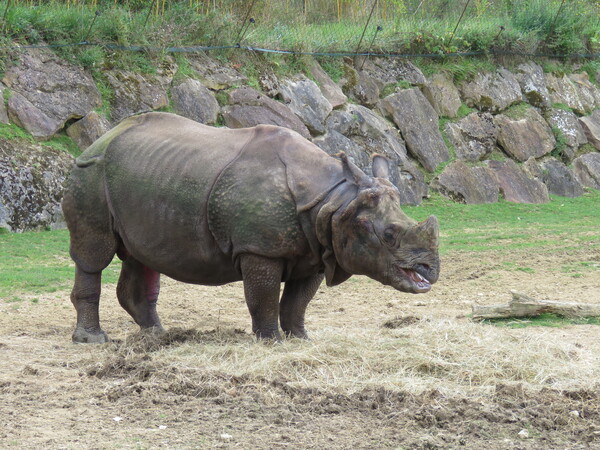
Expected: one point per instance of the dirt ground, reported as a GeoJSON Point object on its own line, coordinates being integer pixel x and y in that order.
{"type": "Point", "coordinates": [433, 380]}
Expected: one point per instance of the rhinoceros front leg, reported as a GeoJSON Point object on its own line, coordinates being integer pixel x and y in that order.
{"type": "Point", "coordinates": [137, 292]}
{"type": "Point", "coordinates": [86, 299]}
{"type": "Point", "coordinates": [262, 284]}
{"type": "Point", "coordinates": [296, 296]}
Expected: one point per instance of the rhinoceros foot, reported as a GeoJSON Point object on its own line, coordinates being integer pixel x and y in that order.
{"type": "Point", "coordinates": [297, 333]}
{"type": "Point", "coordinates": [268, 335]}
{"type": "Point", "coordinates": [81, 336]}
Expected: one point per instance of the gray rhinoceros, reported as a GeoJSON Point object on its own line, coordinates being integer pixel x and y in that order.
{"type": "Point", "coordinates": [211, 206]}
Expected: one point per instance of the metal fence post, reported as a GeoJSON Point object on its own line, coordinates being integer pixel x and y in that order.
{"type": "Point", "coordinates": [152, 2]}
{"type": "Point", "coordinates": [4, 16]}
{"type": "Point", "coordinates": [96, 14]}
{"type": "Point", "coordinates": [379, 28]}
{"type": "Point", "coordinates": [459, 21]}
{"type": "Point", "coordinates": [365, 29]}
{"type": "Point", "coordinates": [245, 25]}
{"type": "Point", "coordinates": [551, 32]}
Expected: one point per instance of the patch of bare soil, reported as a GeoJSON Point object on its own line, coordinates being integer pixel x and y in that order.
{"type": "Point", "coordinates": [383, 369]}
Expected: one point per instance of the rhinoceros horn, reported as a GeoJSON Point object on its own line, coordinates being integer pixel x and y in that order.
{"type": "Point", "coordinates": [429, 230]}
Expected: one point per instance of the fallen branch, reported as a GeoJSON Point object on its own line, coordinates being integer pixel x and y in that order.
{"type": "Point", "coordinates": [522, 305]}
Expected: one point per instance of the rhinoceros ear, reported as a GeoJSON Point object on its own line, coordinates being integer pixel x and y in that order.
{"type": "Point", "coordinates": [381, 166]}
{"type": "Point", "coordinates": [353, 173]}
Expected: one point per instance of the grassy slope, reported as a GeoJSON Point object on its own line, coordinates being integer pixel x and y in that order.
{"type": "Point", "coordinates": [34, 263]}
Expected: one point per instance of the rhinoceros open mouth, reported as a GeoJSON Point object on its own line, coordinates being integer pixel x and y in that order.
{"type": "Point", "coordinates": [418, 282]}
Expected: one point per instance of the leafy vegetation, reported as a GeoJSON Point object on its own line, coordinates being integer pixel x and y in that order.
{"type": "Point", "coordinates": [561, 142]}
{"type": "Point", "coordinates": [397, 26]}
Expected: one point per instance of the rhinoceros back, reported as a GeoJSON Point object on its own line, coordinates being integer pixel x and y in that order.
{"type": "Point", "coordinates": [159, 173]}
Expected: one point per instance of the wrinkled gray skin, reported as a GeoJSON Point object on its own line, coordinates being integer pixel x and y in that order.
{"type": "Point", "coordinates": [212, 206]}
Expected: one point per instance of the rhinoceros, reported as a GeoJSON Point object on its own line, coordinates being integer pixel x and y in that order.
{"type": "Point", "coordinates": [211, 206]}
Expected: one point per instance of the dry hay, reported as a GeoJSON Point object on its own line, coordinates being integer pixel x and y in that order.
{"type": "Point", "coordinates": [454, 358]}
{"type": "Point", "coordinates": [441, 375]}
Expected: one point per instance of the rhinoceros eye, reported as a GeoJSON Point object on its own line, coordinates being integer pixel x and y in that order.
{"type": "Point", "coordinates": [390, 234]}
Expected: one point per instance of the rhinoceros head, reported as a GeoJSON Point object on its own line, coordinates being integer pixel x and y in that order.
{"type": "Point", "coordinates": [372, 236]}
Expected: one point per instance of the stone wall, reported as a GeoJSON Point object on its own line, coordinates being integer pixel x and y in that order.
{"type": "Point", "coordinates": [520, 134]}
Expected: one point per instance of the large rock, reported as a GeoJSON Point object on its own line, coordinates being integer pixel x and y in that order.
{"type": "Point", "coordinates": [305, 99]}
{"type": "Point", "coordinates": [135, 93]}
{"type": "Point", "coordinates": [249, 108]}
{"type": "Point", "coordinates": [4, 219]}
{"type": "Point", "coordinates": [193, 100]}
{"type": "Point", "coordinates": [411, 184]}
{"type": "Point", "coordinates": [492, 92]}
{"type": "Point", "coordinates": [215, 75]}
{"type": "Point", "coordinates": [46, 92]}
{"type": "Point", "coordinates": [334, 142]}
{"type": "Point", "coordinates": [559, 179]}
{"type": "Point", "coordinates": [515, 185]}
{"type": "Point", "coordinates": [369, 133]}
{"type": "Point", "coordinates": [587, 169]}
{"type": "Point", "coordinates": [588, 93]}
{"type": "Point", "coordinates": [465, 184]}
{"type": "Point", "coordinates": [391, 70]}
{"type": "Point", "coordinates": [533, 84]}
{"type": "Point", "coordinates": [418, 123]}
{"type": "Point", "coordinates": [3, 112]}
{"type": "Point", "coordinates": [269, 84]}
{"type": "Point", "coordinates": [367, 90]}
{"type": "Point", "coordinates": [525, 137]}
{"type": "Point", "coordinates": [26, 115]}
{"type": "Point", "coordinates": [591, 128]}
{"type": "Point", "coordinates": [32, 185]}
{"type": "Point", "coordinates": [369, 130]}
{"type": "Point", "coordinates": [85, 131]}
{"type": "Point", "coordinates": [570, 128]}
{"type": "Point", "coordinates": [332, 92]}
{"type": "Point", "coordinates": [473, 137]}
{"type": "Point", "coordinates": [443, 95]}
{"type": "Point", "coordinates": [562, 90]}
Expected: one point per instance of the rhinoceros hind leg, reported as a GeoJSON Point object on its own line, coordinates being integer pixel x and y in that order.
{"type": "Point", "coordinates": [262, 285]}
{"type": "Point", "coordinates": [86, 297]}
{"type": "Point", "coordinates": [296, 296]}
{"type": "Point", "coordinates": [137, 292]}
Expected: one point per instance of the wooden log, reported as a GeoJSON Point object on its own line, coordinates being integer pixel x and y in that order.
{"type": "Point", "coordinates": [522, 305]}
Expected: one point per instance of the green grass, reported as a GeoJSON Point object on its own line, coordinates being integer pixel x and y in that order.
{"type": "Point", "coordinates": [38, 262]}
{"type": "Point", "coordinates": [576, 270]}
{"type": "Point", "coordinates": [64, 143]}
{"type": "Point", "coordinates": [11, 131]}
{"type": "Point", "coordinates": [543, 320]}
{"type": "Point", "coordinates": [393, 87]}
{"type": "Point", "coordinates": [561, 224]}
{"type": "Point", "coordinates": [517, 111]}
